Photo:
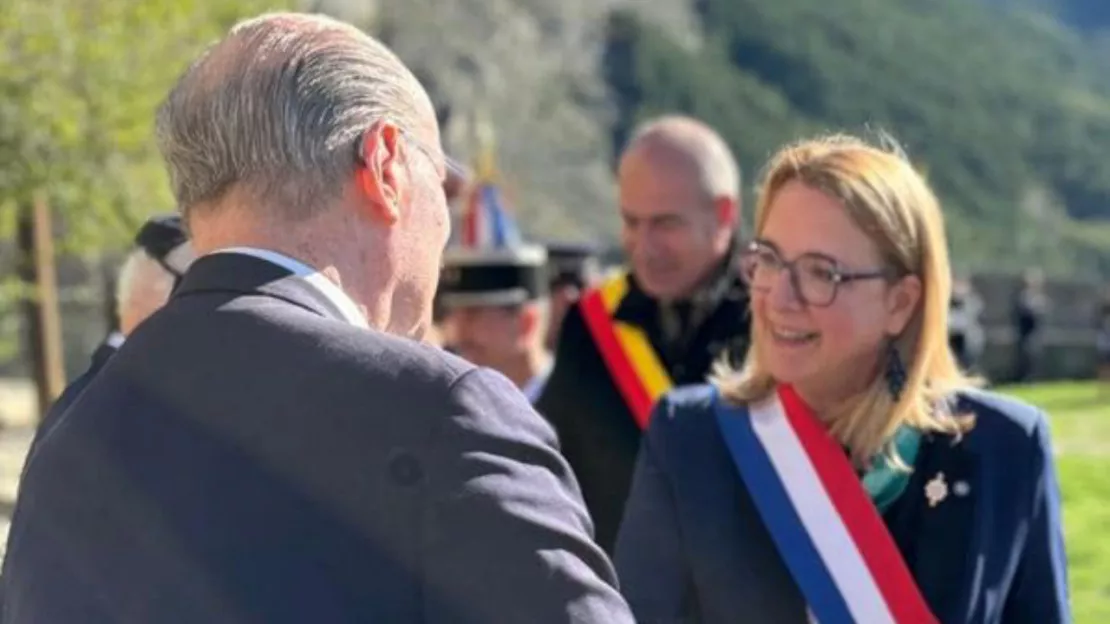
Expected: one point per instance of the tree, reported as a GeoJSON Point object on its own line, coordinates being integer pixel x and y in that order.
{"type": "Point", "coordinates": [79, 83]}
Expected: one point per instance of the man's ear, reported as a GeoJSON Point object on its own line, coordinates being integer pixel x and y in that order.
{"type": "Point", "coordinates": [380, 175]}
{"type": "Point", "coordinates": [531, 319]}
{"type": "Point", "coordinates": [727, 215]}
{"type": "Point", "coordinates": [727, 210]}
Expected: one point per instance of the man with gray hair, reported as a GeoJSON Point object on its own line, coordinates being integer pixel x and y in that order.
{"type": "Point", "coordinates": [277, 444]}
{"type": "Point", "coordinates": [679, 307]}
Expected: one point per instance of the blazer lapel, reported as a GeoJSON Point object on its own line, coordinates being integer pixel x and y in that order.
{"type": "Point", "coordinates": [243, 274]}
{"type": "Point", "coordinates": [938, 517]}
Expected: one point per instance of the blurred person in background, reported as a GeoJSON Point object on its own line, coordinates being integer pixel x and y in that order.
{"type": "Point", "coordinates": [493, 286]}
{"type": "Point", "coordinates": [965, 328]}
{"type": "Point", "coordinates": [496, 312]}
{"type": "Point", "coordinates": [147, 277]}
{"type": "Point", "coordinates": [680, 306]}
{"type": "Point", "coordinates": [848, 471]}
{"type": "Point", "coordinates": [572, 269]}
{"type": "Point", "coordinates": [277, 444]}
{"type": "Point", "coordinates": [1031, 306]}
{"type": "Point", "coordinates": [496, 304]}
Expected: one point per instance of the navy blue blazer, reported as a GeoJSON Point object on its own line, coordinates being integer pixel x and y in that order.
{"type": "Point", "coordinates": [693, 548]}
{"type": "Point", "coordinates": [99, 358]}
{"type": "Point", "coordinates": [248, 456]}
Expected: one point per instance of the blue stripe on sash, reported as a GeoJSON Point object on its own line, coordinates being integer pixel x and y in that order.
{"type": "Point", "coordinates": [782, 521]}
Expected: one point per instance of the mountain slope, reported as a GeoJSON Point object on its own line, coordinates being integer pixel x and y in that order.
{"type": "Point", "coordinates": [1007, 112]}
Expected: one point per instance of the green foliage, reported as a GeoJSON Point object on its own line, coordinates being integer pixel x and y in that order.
{"type": "Point", "coordinates": [79, 83]}
{"type": "Point", "coordinates": [1007, 112]}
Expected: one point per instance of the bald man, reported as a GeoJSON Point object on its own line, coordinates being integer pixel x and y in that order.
{"type": "Point", "coordinates": [146, 278]}
{"type": "Point", "coordinates": [679, 306]}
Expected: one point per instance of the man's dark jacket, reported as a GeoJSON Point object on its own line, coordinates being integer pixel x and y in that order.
{"type": "Point", "coordinates": [99, 358]}
{"type": "Point", "coordinates": [597, 432]}
{"type": "Point", "coordinates": [247, 456]}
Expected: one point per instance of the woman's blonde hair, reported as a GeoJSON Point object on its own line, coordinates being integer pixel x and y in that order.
{"type": "Point", "coordinates": [891, 202]}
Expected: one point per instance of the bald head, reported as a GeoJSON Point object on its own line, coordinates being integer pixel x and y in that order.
{"type": "Point", "coordinates": [144, 285]}
{"type": "Point", "coordinates": [276, 109]}
{"type": "Point", "coordinates": [686, 146]}
{"type": "Point", "coordinates": [679, 192]}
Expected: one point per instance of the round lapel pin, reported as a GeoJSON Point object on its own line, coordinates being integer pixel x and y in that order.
{"type": "Point", "coordinates": [961, 488]}
{"type": "Point", "coordinates": [936, 490]}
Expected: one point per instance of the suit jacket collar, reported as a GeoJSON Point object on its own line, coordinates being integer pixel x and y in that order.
{"type": "Point", "coordinates": [105, 351]}
{"type": "Point", "coordinates": [246, 275]}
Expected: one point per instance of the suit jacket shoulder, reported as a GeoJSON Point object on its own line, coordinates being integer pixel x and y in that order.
{"type": "Point", "coordinates": [508, 517]}
{"type": "Point", "coordinates": [1000, 415]}
{"type": "Point", "coordinates": [683, 429]}
{"type": "Point", "coordinates": [687, 402]}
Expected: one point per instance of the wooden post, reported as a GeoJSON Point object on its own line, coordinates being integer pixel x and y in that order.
{"type": "Point", "coordinates": [36, 270]}
{"type": "Point", "coordinates": [108, 280]}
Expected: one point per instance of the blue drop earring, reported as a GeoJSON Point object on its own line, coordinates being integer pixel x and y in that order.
{"type": "Point", "coordinates": [895, 371]}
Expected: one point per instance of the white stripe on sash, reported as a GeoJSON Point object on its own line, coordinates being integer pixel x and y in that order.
{"type": "Point", "coordinates": [820, 518]}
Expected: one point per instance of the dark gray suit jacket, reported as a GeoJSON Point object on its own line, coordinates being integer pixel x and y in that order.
{"type": "Point", "coordinates": [249, 457]}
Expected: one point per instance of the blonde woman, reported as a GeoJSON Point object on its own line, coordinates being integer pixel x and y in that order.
{"type": "Point", "coordinates": [848, 472]}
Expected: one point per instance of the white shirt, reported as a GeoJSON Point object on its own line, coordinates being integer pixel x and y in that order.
{"type": "Point", "coordinates": [316, 279]}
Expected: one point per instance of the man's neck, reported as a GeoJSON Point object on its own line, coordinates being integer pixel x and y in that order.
{"type": "Point", "coordinates": [313, 244]}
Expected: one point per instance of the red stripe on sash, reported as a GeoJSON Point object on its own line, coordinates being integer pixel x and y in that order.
{"type": "Point", "coordinates": [862, 519]}
{"type": "Point", "coordinates": [631, 387]}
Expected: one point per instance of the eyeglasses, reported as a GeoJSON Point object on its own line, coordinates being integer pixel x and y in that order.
{"type": "Point", "coordinates": [816, 278]}
{"type": "Point", "coordinates": [451, 167]}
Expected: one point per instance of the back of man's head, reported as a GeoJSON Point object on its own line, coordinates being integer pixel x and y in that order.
{"type": "Point", "coordinates": [275, 110]}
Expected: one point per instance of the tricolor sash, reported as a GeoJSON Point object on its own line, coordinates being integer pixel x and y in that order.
{"type": "Point", "coordinates": [828, 531]}
{"type": "Point", "coordinates": [632, 362]}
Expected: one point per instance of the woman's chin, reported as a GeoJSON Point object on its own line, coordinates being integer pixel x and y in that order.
{"type": "Point", "coordinates": [788, 369]}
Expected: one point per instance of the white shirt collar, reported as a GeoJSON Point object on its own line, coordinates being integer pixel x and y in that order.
{"type": "Point", "coordinates": [316, 279]}
{"type": "Point", "coordinates": [114, 340]}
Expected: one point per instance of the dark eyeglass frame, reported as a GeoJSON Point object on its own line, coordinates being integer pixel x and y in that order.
{"type": "Point", "coordinates": [839, 275]}
{"type": "Point", "coordinates": [451, 167]}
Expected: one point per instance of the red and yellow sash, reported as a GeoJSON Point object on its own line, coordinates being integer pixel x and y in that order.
{"type": "Point", "coordinates": [629, 356]}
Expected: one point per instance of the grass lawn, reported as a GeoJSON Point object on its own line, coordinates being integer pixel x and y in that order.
{"type": "Point", "coordinates": [1080, 418]}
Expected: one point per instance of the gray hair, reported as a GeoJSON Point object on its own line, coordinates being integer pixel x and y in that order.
{"type": "Point", "coordinates": [277, 108]}
{"type": "Point", "coordinates": [716, 166]}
